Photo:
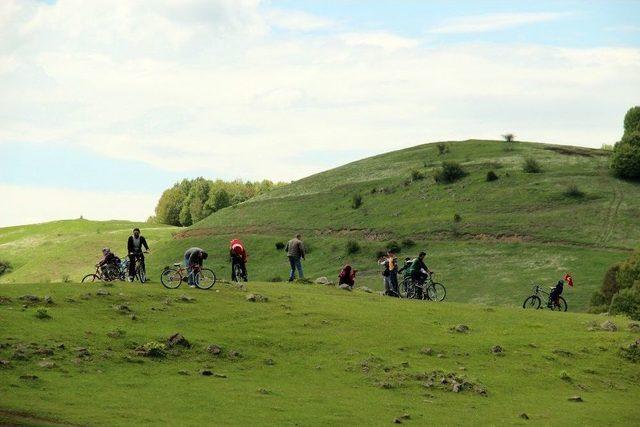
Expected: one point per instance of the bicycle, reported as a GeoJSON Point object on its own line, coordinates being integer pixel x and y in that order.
{"type": "Point", "coordinates": [139, 268]}
{"type": "Point", "coordinates": [238, 273]}
{"type": "Point", "coordinates": [172, 277]}
{"type": "Point", "coordinates": [534, 301]}
{"type": "Point", "coordinates": [109, 274]}
{"type": "Point", "coordinates": [427, 290]}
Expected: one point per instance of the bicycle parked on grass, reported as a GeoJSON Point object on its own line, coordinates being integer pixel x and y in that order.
{"type": "Point", "coordinates": [535, 302]}
{"type": "Point", "coordinates": [172, 277]}
{"type": "Point", "coordinates": [427, 290]}
{"type": "Point", "coordinates": [140, 268]}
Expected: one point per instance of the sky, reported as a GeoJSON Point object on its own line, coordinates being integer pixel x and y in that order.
{"type": "Point", "coordinates": [104, 104]}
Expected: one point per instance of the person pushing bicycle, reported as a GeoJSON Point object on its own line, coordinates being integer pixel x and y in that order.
{"type": "Point", "coordinates": [419, 270]}
{"type": "Point", "coordinates": [239, 256]}
{"type": "Point", "coordinates": [194, 258]}
{"type": "Point", "coordinates": [135, 243]}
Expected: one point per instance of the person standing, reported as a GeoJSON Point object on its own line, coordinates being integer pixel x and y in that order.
{"type": "Point", "coordinates": [295, 253]}
{"type": "Point", "coordinates": [239, 256]}
{"type": "Point", "coordinates": [134, 246]}
{"type": "Point", "coordinates": [393, 272]}
{"type": "Point", "coordinates": [194, 257]}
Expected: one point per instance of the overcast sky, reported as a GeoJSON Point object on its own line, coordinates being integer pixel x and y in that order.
{"type": "Point", "coordinates": [103, 104]}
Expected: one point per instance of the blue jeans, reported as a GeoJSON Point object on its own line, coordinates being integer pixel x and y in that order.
{"type": "Point", "coordinates": [190, 278]}
{"type": "Point", "coordinates": [295, 262]}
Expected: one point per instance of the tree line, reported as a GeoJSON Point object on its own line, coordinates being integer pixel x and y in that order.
{"type": "Point", "coordinates": [189, 201]}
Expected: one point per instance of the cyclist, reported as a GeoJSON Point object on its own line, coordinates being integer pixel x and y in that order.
{"type": "Point", "coordinates": [347, 276]}
{"type": "Point", "coordinates": [194, 257]}
{"type": "Point", "coordinates": [239, 256]}
{"type": "Point", "coordinates": [109, 264]}
{"type": "Point", "coordinates": [134, 245]}
{"type": "Point", "coordinates": [556, 291]}
{"type": "Point", "coordinates": [419, 272]}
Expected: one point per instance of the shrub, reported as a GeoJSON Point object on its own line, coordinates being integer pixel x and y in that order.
{"type": "Point", "coordinates": [450, 172]}
{"type": "Point", "coordinates": [457, 218]}
{"type": "Point", "coordinates": [610, 284]}
{"type": "Point", "coordinates": [394, 247]}
{"type": "Point", "coordinates": [152, 349]}
{"type": "Point", "coordinates": [625, 160]}
{"type": "Point", "coordinates": [352, 247]}
{"type": "Point", "coordinates": [408, 243]}
{"type": "Point", "coordinates": [356, 201]}
{"type": "Point", "coordinates": [531, 165]}
{"type": "Point", "coordinates": [573, 191]}
{"type": "Point", "coordinates": [632, 120]}
{"type": "Point", "coordinates": [416, 175]}
{"type": "Point", "coordinates": [5, 267]}
{"type": "Point", "coordinates": [442, 148]}
{"type": "Point", "coordinates": [491, 176]}
{"type": "Point", "coordinates": [280, 246]}
{"type": "Point", "coordinates": [509, 137]}
{"type": "Point", "coordinates": [627, 301]}
{"type": "Point", "coordinates": [42, 313]}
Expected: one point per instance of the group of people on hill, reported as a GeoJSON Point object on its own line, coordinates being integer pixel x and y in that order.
{"type": "Point", "coordinates": [137, 246]}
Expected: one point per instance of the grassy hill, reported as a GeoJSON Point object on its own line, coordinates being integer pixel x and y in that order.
{"type": "Point", "coordinates": [519, 229]}
{"type": "Point", "coordinates": [310, 355]}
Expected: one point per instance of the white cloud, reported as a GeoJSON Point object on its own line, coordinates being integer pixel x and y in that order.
{"type": "Point", "coordinates": [624, 28]}
{"type": "Point", "coordinates": [296, 20]}
{"type": "Point", "coordinates": [30, 204]}
{"type": "Point", "coordinates": [379, 39]}
{"type": "Point", "coordinates": [494, 22]}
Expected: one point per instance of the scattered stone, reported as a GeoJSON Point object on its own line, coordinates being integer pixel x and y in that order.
{"type": "Point", "coordinates": [177, 339]}
{"type": "Point", "coordinates": [30, 298]}
{"type": "Point", "coordinates": [71, 300]}
{"type": "Point", "coordinates": [560, 352]}
{"type": "Point", "coordinates": [86, 296]}
{"type": "Point", "coordinates": [524, 416]}
{"type": "Point", "coordinates": [48, 299]}
{"type": "Point", "coordinates": [234, 354]}
{"type": "Point", "coordinates": [44, 351]}
{"type": "Point", "coordinates": [102, 292]}
{"type": "Point", "coordinates": [183, 372]}
{"type": "Point", "coordinates": [82, 352]}
{"type": "Point", "coordinates": [220, 375]}
{"type": "Point", "coordinates": [47, 364]}
{"type": "Point", "coordinates": [269, 362]}
{"type": "Point", "coordinates": [206, 372]}
{"type": "Point", "coordinates": [264, 391]}
{"type": "Point", "coordinates": [496, 349]}
{"type": "Point", "coordinates": [122, 308]}
{"type": "Point", "coordinates": [322, 281]}
{"type": "Point", "coordinates": [4, 300]}
{"type": "Point", "coordinates": [61, 346]}
{"type": "Point", "coordinates": [427, 350]}
{"type": "Point", "coordinates": [256, 298]}
{"type": "Point", "coordinates": [20, 354]}
{"type": "Point", "coordinates": [366, 289]}
{"type": "Point", "coordinates": [440, 355]}
{"type": "Point", "coordinates": [609, 326]}
{"type": "Point", "coordinates": [345, 287]}
{"type": "Point", "coordinates": [632, 351]}
{"type": "Point", "coordinates": [397, 421]}
{"type": "Point", "coordinates": [133, 316]}
{"type": "Point", "coordinates": [214, 349]}
{"type": "Point", "coordinates": [456, 388]}
{"type": "Point", "coordinates": [118, 333]}
{"type": "Point", "coordinates": [634, 327]}
{"type": "Point", "coordinates": [463, 329]}
{"type": "Point", "coordinates": [4, 363]}
{"type": "Point", "coordinates": [43, 314]}
{"type": "Point", "coordinates": [29, 377]}
{"type": "Point", "coordinates": [151, 349]}
{"type": "Point", "coordinates": [405, 417]}
{"type": "Point", "coordinates": [186, 298]}
{"type": "Point", "coordinates": [575, 399]}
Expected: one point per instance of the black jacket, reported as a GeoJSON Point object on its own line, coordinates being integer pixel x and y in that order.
{"type": "Point", "coordinates": [143, 244]}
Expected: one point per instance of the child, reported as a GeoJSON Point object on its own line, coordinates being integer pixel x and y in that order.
{"type": "Point", "coordinates": [557, 290]}
{"type": "Point", "coordinates": [347, 276]}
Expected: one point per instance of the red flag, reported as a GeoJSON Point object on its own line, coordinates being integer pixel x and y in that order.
{"type": "Point", "coordinates": [567, 278]}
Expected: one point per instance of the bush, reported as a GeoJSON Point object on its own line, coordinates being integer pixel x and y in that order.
{"type": "Point", "coordinates": [625, 160]}
{"type": "Point", "coordinates": [457, 218]}
{"type": "Point", "coordinates": [416, 175]}
{"type": "Point", "coordinates": [394, 247]}
{"type": "Point", "coordinates": [280, 246]}
{"type": "Point", "coordinates": [573, 191]}
{"type": "Point", "coordinates": [491, 176]}
{"type": "Point", "coordinates": [509, 137]}
{"type": "Point", "coordinates": [152, 349]}
{"type": "Point", "coordinates": [632, 120]}
{"type": "Point", "coordinates": [609, 284]}
{"type": "Point", "coordinates": [356, 201]}
{"type": "Point", "coordinates": [531, 165]}
{"type": "Point", "coordinates": [408, 243]}
{"type": "Point", "coordinates": [42, 313]}
{"type": "Point", "coordinates": [5, 267]}
{"type": "Point", "coordinates": [442, 148]}
{"type": "Point", "coordinates": [627, 301]}
{"type": "Point", "coordinates": [352, 247]}
{"type": "Point", "coordinates": [450, 172]}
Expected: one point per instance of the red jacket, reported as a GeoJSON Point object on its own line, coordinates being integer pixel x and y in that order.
{"type": "Point", "coordinates": [237, 249]}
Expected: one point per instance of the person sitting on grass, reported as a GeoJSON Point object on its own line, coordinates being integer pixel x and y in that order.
{"type": "Point", "coordinates": [556, 291]}
{"type": "Point", "coordinates": [347, 276]}
{"type": "Point", "coordinates": [194, 257]}
{"type": "Point", "coordinates": [109, 264]}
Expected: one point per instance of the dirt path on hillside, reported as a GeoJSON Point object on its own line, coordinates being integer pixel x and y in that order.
{"type": "Point", "coordinates": [611, 216]}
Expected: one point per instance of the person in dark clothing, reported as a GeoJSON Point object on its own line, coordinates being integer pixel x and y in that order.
{"type": "Point", "coordinates": [419, 273]}
{"type": "Point", "coordinates": [109, 264]}
{"type": "Point", "coordinates": [194, 257]}
{"type": "Point", "coordinates": [239, 256]}
{"type": "Point", "coordinates": [135, 245]}
{"type": "Point", "coordinates": [347, 276]}
{"type": "Point", "coordinates": [556, 291]}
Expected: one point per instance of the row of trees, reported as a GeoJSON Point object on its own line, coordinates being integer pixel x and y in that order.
{"type": "Point", "coordinates": [189, 201]}
{"type": "Point", "coordinates": [625, 160]}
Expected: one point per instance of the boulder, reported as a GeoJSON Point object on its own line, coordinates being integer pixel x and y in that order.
{"type": "Point", "coordinates": [345, 287]}
{"type": "Point", "coordinates": [634, 327]}
{"type": "Point", "coordinates": [102, 292]}
{"type": "Point", "coordinates": [496, 349]}
{"type": "Point", "coordinates": [214, 349]}
{"type": "Point", "coordinates": [608, 325]}
{"type": "Point", "coordinates": [48, 299]}
{"type": "Point", "coordinates": [366, 289]}
{"type": "Point", "coordinates": [427, 350]}
{"type": "Point", "coordinates": [206, 372]}
{"type": "Point", "coordinates": [47, 364]}
{"type": "Point", "coordinates": [256, 298]}
{"type": "Point", "coordinates": [524, 416]}
{"type": "Point", "coordinates": [234, 354]}
{"type": "Point", "coordinates": [177, 339]}
{"type": "Point", "coordinates": [575, 399]}
{"type": "Point", "coordinates": [186, 298]}
{"type": "Point", "coordinates": [461, 329]}
{"type": "Point", "coordinates": [322, 281]}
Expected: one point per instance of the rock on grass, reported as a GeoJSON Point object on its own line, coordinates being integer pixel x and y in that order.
{"type": "Point", "coordinates": [177, 339]}
{"type": "Point", "coordinates": [609, 326]}
{"type": "Point", "coordinates": [575, 399]}
{"type": "Point", "coordinates": [256, 298]}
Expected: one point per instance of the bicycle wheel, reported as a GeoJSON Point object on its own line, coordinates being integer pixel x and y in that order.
{"type": "Point", "coordinates": [533, 301]}
{"type": "Point", "coordinates": [171, 278]}
{"type": "Point", "coordinates": [403, 288]}
{"type": "Point", "coordinates": [436, 292]}
{"type": "Point", "coordinates": [89, 278]}
{"type": "Point", "coordinates": [561, 306]}
{"type": "Point", "coordinates": [141, 273]}
{"type": "Point", "coordinates": [205, 278]}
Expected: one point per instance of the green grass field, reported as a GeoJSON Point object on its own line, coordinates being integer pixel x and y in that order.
{"type": "Point", "coordinates": [310, 355]}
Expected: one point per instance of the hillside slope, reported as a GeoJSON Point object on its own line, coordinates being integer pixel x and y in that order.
{"type": "Point", "coordinates": [310, 355]}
